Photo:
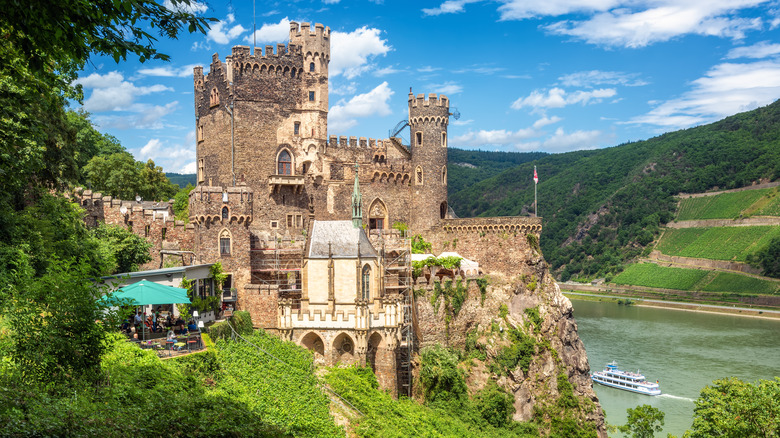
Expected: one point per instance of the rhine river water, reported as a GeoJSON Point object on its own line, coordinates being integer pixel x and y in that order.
{"type": "Point", "coordinates": [685, 351]}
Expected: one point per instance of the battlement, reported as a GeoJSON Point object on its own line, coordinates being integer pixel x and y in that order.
{"type": "Point", "coordinates": [432, 99]}
{"type": "Point", "coordinates": [357, 142]}
{"type": "Point", "coordinates": [243, 53]}
{"type": "Point", "coordinates": [304, 31]}
{"type": "Point", "coordinates": [507, 224]}
{"type": "Point", "coordinates": [103, 207]}
{"type": "Point", "coordinates": [207, 203]}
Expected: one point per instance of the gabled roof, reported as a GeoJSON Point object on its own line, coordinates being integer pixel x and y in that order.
{"type": "Point", "coordinates": [339, 239]}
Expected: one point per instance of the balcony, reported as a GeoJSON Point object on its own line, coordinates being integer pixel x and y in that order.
{"type": "Point", "coordinates": [295, 181]}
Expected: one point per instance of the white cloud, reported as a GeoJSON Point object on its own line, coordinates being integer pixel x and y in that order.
{"type": "Point", "coordinates": [449, 7]}
{"type": "Point", "coordinates": [764, 49]}
{"type": "Point", "coordinates": [350, 52]}
{"type": "Point", "coordinates": [330, 2]}
{"type": "Point", "coordinates": [593, 78]}
{"type": "Point", "coordinates": [638, 24]}
{"type": "Point", "coordinates": [343, 115]}
{"type": "Point", "coordinates": [271, 33]}
{"type": "Point", "coordinates": [342, 90]}
{"type": "Point", "coordinates": [112, 92]}
{"type": "Point", "coordinates": [521, 9]}
{"type": "Point", "coordinates": [173, 156]}
{"type": "Point", "coordinates": [138, 116]}
{"type": "Point", "coordinates": [544, 121]}
{"type": "Point", "coordinates": [559, 98]}
{"type": "Point", "coordinates": [577, 140]}
{"type": "Point", "coordinates": [479, 69]}
{"type": "Point", "coordinates": [193, 8]}
{"type": "Point", "coordinates": [169, 71]}
{"type": "Point", "coordinates": [449, 88]}
{"type": "Point", "coordinates": [222, 33]}
{"type": "Point", "coordinates": [386, 71]}
{"type": "Point", "coordinates": [726, 89]}
{"type": "Point", "coordinates": [428, 69]}
{"type": "Point", "coordinates": [497, 137]}
{"type": "Point", "coordinates": [461, 122]}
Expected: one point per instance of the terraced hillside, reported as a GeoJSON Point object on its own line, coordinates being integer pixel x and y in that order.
{"type": "Point", "coordinates": [707, 247]}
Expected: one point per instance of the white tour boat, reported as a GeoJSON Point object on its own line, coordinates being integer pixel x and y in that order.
{"type": "Point", "coordinates": [634, 382]}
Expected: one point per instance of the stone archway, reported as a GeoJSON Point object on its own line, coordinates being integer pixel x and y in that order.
{"type": "Point", "coordinates": [343, 349]}
{"type": "Point", "coordinates": [443, 210]}
{"type": "Point", "coordinates": [312, 341]}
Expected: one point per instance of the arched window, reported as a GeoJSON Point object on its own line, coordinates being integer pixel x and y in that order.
{"type": "Point", "coordinates": [444, 139]}
{"type": "Point", "coordinates": [225, 213]}
{"type": "Point", "coordinates": [284, 162]}
{"type": "Point", "coordinates": [311, 67]}
{"type": "Point", "coordinates": [224, 243]}
{"type": "Point", "coordinates": [377, 215]}
{"type": "Point", "coordinates": [366, 283]}
{"type": "Point", "coordinates": [418, 179]}
{"type": "Point", "coordinates": [444, 175]}
{"type": "Point", "coordinates": [214, 97]}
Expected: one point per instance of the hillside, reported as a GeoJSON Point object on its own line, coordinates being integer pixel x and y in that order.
{"type": "Point", "coordinates": [602, 208]}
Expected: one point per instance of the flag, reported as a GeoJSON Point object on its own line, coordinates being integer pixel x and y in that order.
{"type": "Point", "coordinates": [536, 177]}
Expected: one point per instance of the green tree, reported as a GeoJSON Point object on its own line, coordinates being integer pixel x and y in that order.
{"type": "Point", "coordinates": [736, 409]}
{"type": "Point", "coordinates": [127, 249]}
{"type": "Point", "coordinates": [89, 142]}
{"type": "Point", "coordinates": [181, 203]}
{"type": "Point", "coordinates": [768, 259]}
{"type": "Point", "coordinates": [643, 421]}
{"type": "Point", "coordinates": [120, 176]}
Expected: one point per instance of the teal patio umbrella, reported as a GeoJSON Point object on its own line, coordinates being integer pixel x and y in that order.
{"type": "Point", "coordinates": [145, 292]}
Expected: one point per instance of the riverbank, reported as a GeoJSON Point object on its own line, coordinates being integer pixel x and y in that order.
{"type": "Point", "coordinates": [675, 305]}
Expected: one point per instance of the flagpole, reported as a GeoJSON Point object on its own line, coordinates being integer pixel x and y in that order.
{"type": "Point", "coordinates": [536, 181]}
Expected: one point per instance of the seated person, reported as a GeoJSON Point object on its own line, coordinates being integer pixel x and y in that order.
{"type": "Point", "coordinates": [192, 326]}
{"type": "Point", "coordinates": [179, 324]}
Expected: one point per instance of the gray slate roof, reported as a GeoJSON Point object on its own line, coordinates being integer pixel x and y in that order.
{"type": "Point", "coordinates": [344, 240]}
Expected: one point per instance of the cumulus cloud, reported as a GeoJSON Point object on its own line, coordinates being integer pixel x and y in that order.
{"type": "Point", "coordinates": [592, 78]}
{"type": "Point", "coordinates": [173, 156]}
{"type": "Point", "coordinates": [639, 24]}
{"type": "Point", "coordinates": [449, 7]}
{"type": "Point", "coordinates": [344, 114]}
{"type": "Point", "coordinates": [112, 92]}
{"type": "Point", "coordinates": [560, 141]}
{"type": "Point", "coordinates": [351, 52]}
{"type": "Point", "coordinates": [522, 9]}
{"type": "Point", "coordinates": [764, 49]}
{"type": "Point", "coordinates": [544, 121]}
{"type": "Point", "coordinates": [223, 33]}
{"type": "Point", "coordinates": [559, 98]}
{"type": "Point", "coordinates": [497, 137]}
{"type": "Point", "coordinates": [271, 33]}
{"type": "Point", "coordinates": [169, 71]}
{"type": "Point", "coordinates": [726, 89]}
{"type": "Point", "coordinates": [138, 116]}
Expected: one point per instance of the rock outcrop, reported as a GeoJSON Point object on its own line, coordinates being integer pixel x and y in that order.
{"type": "Point", "coordinates": [520, 331]}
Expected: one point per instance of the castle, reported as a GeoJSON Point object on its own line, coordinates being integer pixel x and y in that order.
{"type": "Point", "coordinates": [304, 222]}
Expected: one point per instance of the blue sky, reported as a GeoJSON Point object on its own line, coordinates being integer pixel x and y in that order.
{"type": "Point", "coordinates": [526, 75]}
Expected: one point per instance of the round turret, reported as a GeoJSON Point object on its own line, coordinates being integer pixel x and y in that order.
{"type": "Point", "coordinates": [428, 120]}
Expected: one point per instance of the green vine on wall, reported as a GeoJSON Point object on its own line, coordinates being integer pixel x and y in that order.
{"type": "Point", "coordinates": [453, 296]}
{"type": "Point", "coordinates": [420, 246]}
{"type": "Point", "coordinates": [218, 274]}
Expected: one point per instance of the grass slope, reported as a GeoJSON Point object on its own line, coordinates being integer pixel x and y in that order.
{"type": "Point", "coordinates": [723, 206]}
{"type": "Point", "coordinates": [601, 208]}
{"type": "Point", "coordinates": [716, 243]}
{"type": "Point", "coordinates": [652, 275]}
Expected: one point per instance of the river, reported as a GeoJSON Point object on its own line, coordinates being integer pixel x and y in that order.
{"type": "Point", "coordinates": [683, 350]}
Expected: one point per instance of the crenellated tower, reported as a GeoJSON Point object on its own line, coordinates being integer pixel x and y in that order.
{"type": "Point", "coordinates": [428, 120]}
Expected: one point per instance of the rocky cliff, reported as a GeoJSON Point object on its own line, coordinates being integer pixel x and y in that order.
{"type": "Point", "coordinates": [519, 331]}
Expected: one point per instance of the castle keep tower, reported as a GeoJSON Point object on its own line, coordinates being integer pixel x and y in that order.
{"type": "Point", "coordinates": [428, 120]}
{"type": "Point", "coordinates": [261, 120]}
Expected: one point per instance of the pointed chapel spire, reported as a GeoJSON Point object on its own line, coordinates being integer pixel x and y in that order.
{"type": "Point", "coordinates": [357, 202]}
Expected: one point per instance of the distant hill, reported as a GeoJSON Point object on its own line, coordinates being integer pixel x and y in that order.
{"type": "Point", "coordinates": [602, 208]}
{"type": "Point", "coordinates": [466, 168]}
{"type": "Point", "coordinates": [182, 179]}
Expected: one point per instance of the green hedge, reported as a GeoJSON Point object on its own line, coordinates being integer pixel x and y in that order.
{"type": "Point", "coordinates": [241, 322]}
